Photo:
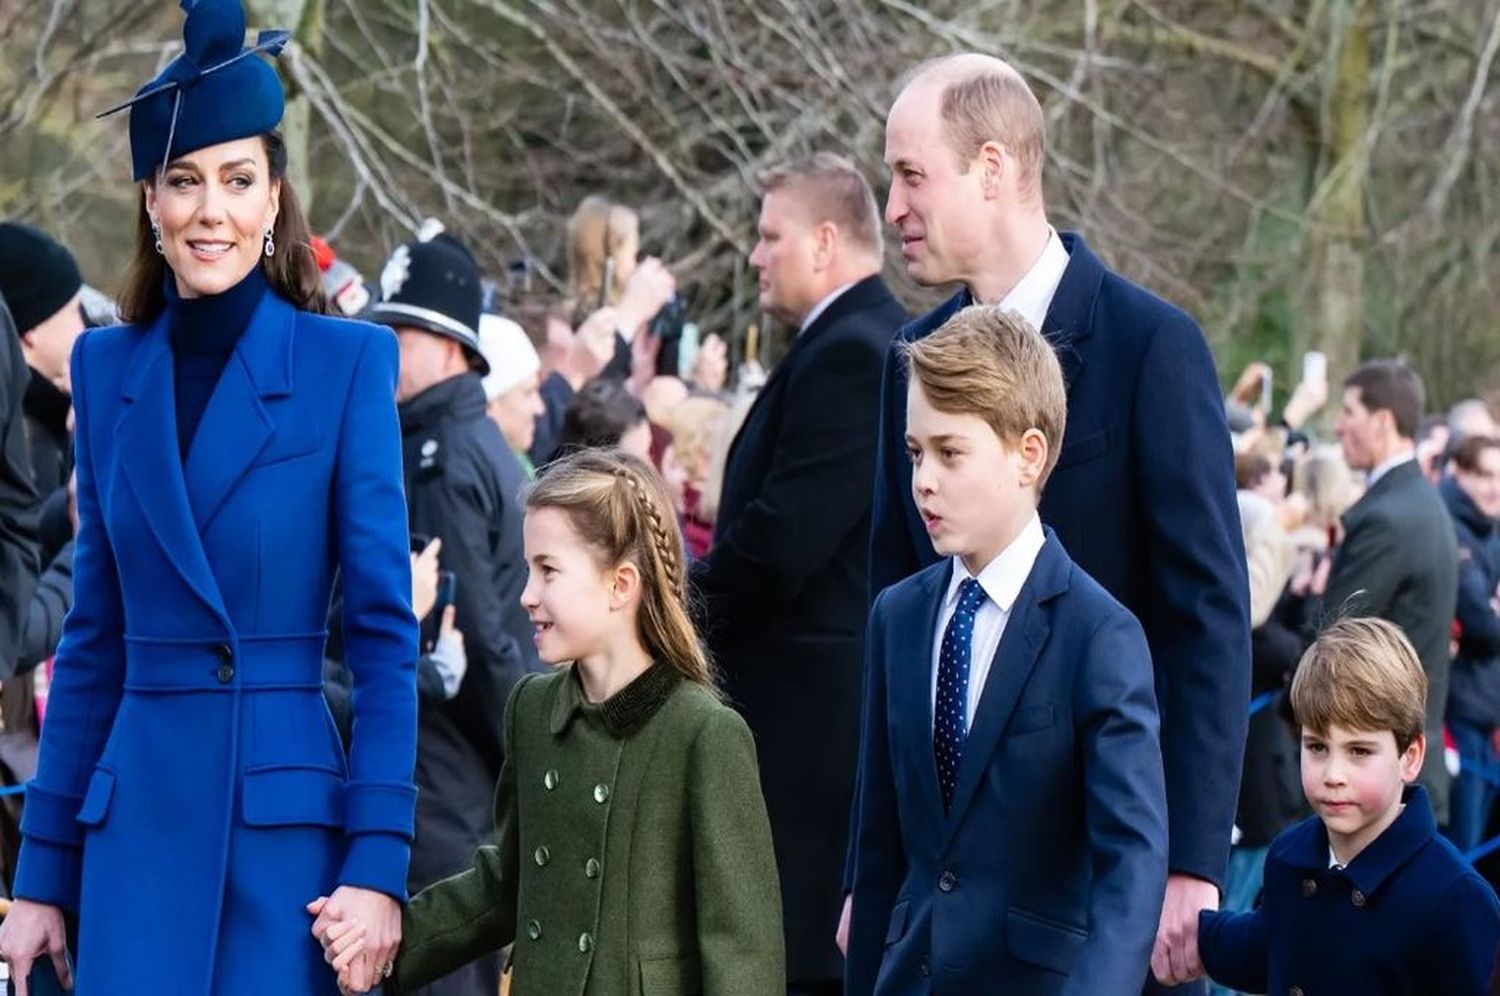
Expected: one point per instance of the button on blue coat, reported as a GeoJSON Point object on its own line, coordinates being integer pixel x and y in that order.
{"type": "Point", "coordinates": [192, 794]}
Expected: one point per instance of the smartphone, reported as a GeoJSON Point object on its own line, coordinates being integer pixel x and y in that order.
{"type": "Point", "coordinates": [1264, 402]}
{"type": "Point", "coordinates": [1314, 367]}
{"type": "Point", "coordinates": [432, 626]}
{"type": "Point", "coordinates": [607, 284]}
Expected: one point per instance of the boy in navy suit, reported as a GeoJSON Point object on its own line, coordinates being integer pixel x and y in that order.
{"type": "Point", "coordinates": [1365, 897]}
{"type": "Point", "coordinates": [1010, 833]}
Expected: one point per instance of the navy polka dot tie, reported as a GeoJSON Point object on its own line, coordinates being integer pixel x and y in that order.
{"type": "Point", "coordinates": [949, 726]}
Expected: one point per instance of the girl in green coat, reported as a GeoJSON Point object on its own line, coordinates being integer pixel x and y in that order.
{"type": "Point", "coordinates": [633, 854]}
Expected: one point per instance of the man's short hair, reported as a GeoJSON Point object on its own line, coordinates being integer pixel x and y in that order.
{"type": "Point", "coordinates": [1470, 449]}
{"type": "Point", "coordinates": [1361, 674]}
{"type": "Point", "coordinates": [991, 363]}
{"type": "Point", "coordinates": [832, 189]}
{"type": "Point", "coordinates": [990, 102]}
{"type": "Point", "coordinates": [1391, 385]}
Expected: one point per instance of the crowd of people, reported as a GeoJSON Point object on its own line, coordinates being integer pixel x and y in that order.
{"type": "Point", "coordinates": [988, 650]}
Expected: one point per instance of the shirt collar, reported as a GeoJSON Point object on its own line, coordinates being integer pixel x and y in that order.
{"type": "Point", "coordinates": [1003, 577]}
{"type": "Point", "coordinates": [1388, 466]}
{"type": "Point", "coordinates": [822, 306]}
{"type": "Point", "coordinates": [1032, 296]}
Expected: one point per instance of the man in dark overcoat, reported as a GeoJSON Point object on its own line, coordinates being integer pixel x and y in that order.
{"type": "Point", "coordinates": [784, 586]}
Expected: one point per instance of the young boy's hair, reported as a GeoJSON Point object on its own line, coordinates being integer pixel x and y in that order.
{"type": "Point", "coordinates": [1361, 674]}
{"type": "Point", "coordinates": [991, 363]}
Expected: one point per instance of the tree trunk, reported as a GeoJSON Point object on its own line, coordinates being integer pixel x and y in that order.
{"type": "Point", "coordinates": [1331, 315]}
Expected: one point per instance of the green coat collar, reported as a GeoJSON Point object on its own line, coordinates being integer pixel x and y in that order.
{"type": "Point", "coordinates": [624, 712]}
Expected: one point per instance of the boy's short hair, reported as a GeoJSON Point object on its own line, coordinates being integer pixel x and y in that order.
{"type": "Point", "coordinates": [991, 363]}
{"type": "Point", "coordinates": [1361, 674]}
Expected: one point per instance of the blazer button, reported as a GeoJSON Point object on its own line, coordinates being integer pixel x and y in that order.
{"type": "Point", "coordinates": [549, 780]}
{"type": "Point", "coordinates": [585, 943]}
{"type": "Point", "coordinates": [1294, 991]}
{"type": "Point", "coordinates": [925, 966]}
{"type": "Point", "coordinates": [591, 868]}
{"type": "Point", "coordinates": [1309, 887]}
{"type": "Point", "coordinates": [224, 652]}
{"type": "Point", "coordinates": [534, 930]}
{"type": "Point", "coordinates": [1358, 899]}
{"type": "Point", "coordinates": [226, 673]}
{"type": "Point", "coordinates": [601, 793]}
{"type": "Point", "coordinates": [542, 856]}
{"type": "Point", "coordinates": [947, 881]}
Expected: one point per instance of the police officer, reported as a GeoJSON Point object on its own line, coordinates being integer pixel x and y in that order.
{"type": "Point", "coordinates": [463, 487]}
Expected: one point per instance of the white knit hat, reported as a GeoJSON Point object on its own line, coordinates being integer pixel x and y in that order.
{"type": "Point", "coordinates": [511, 356]}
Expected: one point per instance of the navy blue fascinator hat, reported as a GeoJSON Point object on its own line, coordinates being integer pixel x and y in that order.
{"type": "Point", "coordinates": [215, 91]}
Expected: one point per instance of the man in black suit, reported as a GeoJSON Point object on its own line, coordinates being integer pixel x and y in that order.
{"type": "Point", "coordinates": [1399, 558]}
{"type": "Point", "coordinates": [1143, 494]}
{"type": "Point", "coordinates": [784, 589]}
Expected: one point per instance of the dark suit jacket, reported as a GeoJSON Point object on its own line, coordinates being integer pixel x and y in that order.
{"type": "Point", "coordinates": [1408, 916]}
{"type": "Point", "coordinates": [1046, 874]}
{"type": "Point", "coordinates": [1143, 500]}
{"type": "Point", "coordinates": [1399, 561]}
{"type": "Point", "coordinates": [785, 598]}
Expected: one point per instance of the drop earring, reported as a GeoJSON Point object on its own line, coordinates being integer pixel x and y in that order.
{"type": "Point", "coordinates": [270, 242]}
{"type": "Point", "coordinates": [156, 235]}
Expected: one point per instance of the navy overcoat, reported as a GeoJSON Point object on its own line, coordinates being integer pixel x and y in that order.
{"type": "Point", "coordinates": [192, 794]}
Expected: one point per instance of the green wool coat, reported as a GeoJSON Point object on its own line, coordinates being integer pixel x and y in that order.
{"type": "Point", "coordinates": [632, 858]}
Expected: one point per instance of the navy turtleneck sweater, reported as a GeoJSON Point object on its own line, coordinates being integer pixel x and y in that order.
{"type": "Point", "coordinates": [204, 332]}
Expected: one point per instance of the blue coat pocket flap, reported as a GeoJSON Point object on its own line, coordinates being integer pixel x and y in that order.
{"type": "Point", "coordinates": [1040, 941]}
{"type": "Point", "coordinates": [96, 800]}
{"type": "Point", "coordinates": [293, 796]}
{"type": "Point", "coordinates": [896, 929]}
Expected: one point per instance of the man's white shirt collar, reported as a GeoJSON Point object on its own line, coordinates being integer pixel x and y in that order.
{"type": "Point", "coordinates": [822, 306]}
{"type": "Point", "coordinates": [1387, 467]}
{"type": "Point", "coordinates": [1031, 298]}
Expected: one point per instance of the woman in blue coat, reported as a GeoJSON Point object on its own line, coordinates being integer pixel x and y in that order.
{"type": "Point", "coordinates": [236, 450]}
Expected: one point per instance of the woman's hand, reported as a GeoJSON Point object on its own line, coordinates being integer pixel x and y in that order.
{"type": "Point", "coordinates": [377, 915]}
{"type": "Point", "coordinates": [424, 578]}
{"type": "Point", "coordinates": [31, 930]}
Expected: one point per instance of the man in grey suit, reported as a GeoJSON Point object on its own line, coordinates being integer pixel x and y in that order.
{"type": "Point", "coordinates": [1399, 558]}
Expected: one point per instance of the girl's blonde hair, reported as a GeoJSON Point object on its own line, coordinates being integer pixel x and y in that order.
{"type": "Point", "coordinates": [598, 230]}
{"type": "Point", "coordinates": [619, 506]}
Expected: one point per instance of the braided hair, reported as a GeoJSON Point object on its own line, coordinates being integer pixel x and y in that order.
{"type": "Point", "coordinates": [618, 505]}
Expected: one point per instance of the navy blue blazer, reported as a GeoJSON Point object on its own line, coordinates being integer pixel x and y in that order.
{"type": "Point", "coordinates": [1408, 917]}
{"type": "Point", "coordinates": [1046, 875]}
{"type": "Point", "coordinates": [1143, 500]}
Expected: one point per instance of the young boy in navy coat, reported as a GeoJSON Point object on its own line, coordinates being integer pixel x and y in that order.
{"type": "Point", "coordinates": [1010, 825]}
{"type": "Point", "coordinates": [1365, 897]}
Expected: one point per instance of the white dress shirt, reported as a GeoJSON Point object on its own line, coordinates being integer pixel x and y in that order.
{"type": "Point", "coordinates": [1386, 467]}
{"type": "Point", "coordinates": [1001, 580]}
{"type": "Point", "coordinates": [822, 306]}
{"type": "Point", "coordinates": [1032, 296]}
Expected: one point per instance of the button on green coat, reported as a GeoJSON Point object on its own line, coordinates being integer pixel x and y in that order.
{"type": "Point", "coordinates": [633, 854]}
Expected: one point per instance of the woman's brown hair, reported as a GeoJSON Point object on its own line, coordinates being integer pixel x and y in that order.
{"type": "Point", "coordinates": [619, 506]}
{"type": "Point", "coordinates": [598, 231]}
{"type": "Point", "coordinates": [292, 272]}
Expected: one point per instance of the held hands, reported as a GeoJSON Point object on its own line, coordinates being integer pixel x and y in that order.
{"type": "Point", "coordinates": [31, 930]}
{"type": "Point", "coordinates": [360, 930]}
{"type": "Point", "coordinates": [650, 287]}
{"type": "Point", "coordinates": [424, 578]}
{"type": "Point", "coordinates": [1175, 958]}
